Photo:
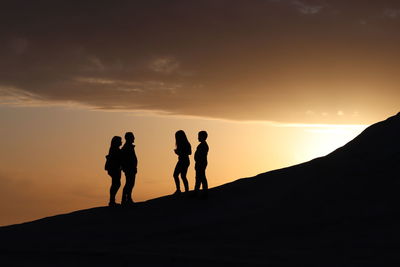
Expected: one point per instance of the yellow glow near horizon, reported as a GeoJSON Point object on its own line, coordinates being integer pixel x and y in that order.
{"type": "Point", "coordinates": [322, 139]}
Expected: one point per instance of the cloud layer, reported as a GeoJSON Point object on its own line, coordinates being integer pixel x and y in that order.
{"type": "Point", "coordinates": [293, 61]}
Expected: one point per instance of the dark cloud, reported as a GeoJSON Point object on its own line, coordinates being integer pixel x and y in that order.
{"type": "Point", "coordinates": [250, 59]}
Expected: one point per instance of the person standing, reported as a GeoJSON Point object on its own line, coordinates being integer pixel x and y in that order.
{"type": "Point", "coordinates": [200, 158]}
{"type": "Point", "coordinates": [113, 168]}
{"type": "Point", "coordinates": [129, 166]}
{"type": "Point", "coordinates": [183, 150]}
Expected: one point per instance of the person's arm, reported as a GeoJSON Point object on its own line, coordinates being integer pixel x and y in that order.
{"type": "Point", "coordinates": [202, 152]}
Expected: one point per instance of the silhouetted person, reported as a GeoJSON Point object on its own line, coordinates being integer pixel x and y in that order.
{"type": "Point", "coordinates": [183, 150]}
{"type": "Point", "coordinates": [129, 166]}
{"type": "Point", "coordinates": [113, 168]}
{"type": "Point", "coordinates": [200, 158]}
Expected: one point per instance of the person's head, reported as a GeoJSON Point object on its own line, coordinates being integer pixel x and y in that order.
{"type": "Point", "coordinates": [180, 138]}
{"type": "Point", "coordinates": [116, 141]}
{"type": "Point", "coordinates": [202, 136]}
{"type": "Point", "coordinates": [129, 137]}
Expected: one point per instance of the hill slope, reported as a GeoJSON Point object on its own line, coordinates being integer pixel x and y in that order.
{"type": "Point", "coordinates": [338, 210]}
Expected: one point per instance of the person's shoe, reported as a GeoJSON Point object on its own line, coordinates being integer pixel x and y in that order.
{"type": "Point", "coordinates": [112, 204]}
{"type": "Point", "coordinates": [124, 202]}
{"type": "Point", "coordinates": [177, 193]}
{"type": "Point", "coordinates": [129, 202]}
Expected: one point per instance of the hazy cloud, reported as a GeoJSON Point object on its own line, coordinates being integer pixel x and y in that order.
{"type": "Point", "coordinates": [236, 59]}
{"type": "Point", "coordinates": [308, 9]}
{"type": "Point", "coordinates": [303, 6]}
{"type": "Point", "coordinates": [165, 65]}
{"type": "Point", "coordinates": [94, 64]}
{"type": "Point", "coordinates": [14, 96]}
{"type": "Point", "coordinates": [391, 13]}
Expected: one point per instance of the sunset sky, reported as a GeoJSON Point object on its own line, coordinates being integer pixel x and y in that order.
{"type": "Point", "coordinates": [274, 82]}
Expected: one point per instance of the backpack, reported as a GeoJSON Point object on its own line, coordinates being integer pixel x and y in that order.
{"type": "Point", "coordinates": [108, 163]}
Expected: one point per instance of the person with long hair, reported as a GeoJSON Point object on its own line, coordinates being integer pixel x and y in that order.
{"type": "Point", "coordinates": [113, 168]}
{"type": "Point", "coordinates": [183, 150]}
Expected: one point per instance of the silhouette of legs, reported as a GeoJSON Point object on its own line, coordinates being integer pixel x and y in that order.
{"type": "Point", "coordinates": [176, 177]}
{"type": "Point", "coordinates": [181, 168]}
{"type": "Point", "coordinates": [129, 184]}
{"type": "Point", "coordinates": [115, 185]}
{"type": "Point", "coordinates": [184, 179]}
{"type": "Point", "coordinates": [201, 180]}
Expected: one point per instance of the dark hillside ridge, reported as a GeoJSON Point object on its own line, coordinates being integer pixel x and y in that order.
{"type": "Point", "coordinates": [362, 176]}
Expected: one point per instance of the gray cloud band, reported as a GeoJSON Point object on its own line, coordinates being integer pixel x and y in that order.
{"type": "Point", "coordinates": [246, 60]}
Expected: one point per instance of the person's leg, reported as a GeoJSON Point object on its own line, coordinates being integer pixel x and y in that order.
{"type": "Point", "coordinates": [183, 176]}
{"type": "Point", "coordinates": [204, 180]}
{"type": "Point", "coordinates": [198, 181]}
{"type": "Point", "coordinates": [125, 189]}
{"type": "Point", "coordinates": [115, 185]}
{"type": "Point", "coordinates": [131, 184]}
{"type": "Point", "coordinates": [177, 170]}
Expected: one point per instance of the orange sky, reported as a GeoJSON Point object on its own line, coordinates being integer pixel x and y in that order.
{"type": "Point", "coordinates": [52, 158]}
{"type": "Point", "coordinates": [274, 82]}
